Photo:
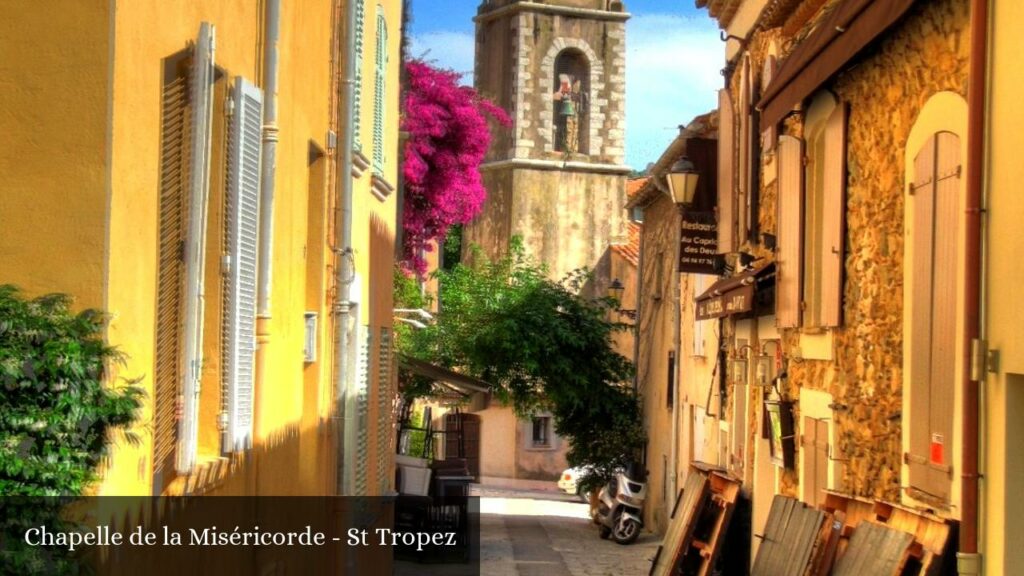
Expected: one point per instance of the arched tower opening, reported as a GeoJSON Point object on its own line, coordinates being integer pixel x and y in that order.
{"type": "Point", "coordinates": [570, 102]}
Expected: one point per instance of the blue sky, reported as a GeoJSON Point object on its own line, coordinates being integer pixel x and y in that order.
{"type": "Point", "coordinates": [673, 58]}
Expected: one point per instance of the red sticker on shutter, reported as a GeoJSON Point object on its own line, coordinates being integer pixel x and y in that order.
{"type": "Point", "coordinates": [936, 449]}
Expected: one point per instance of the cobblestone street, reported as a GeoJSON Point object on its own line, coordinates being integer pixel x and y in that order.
{"type": "Point", "coordinates": [537, 533]}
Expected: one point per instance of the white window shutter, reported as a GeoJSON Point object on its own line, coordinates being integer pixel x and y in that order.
{"type": "Point", "coordinates": [242, 224]}
{"type": "Point", "coordinates": [790, 254]}
{"type": "Point", "coordinates": [364, 338]}
{"type": "Point", "coordinates": [195, 245]}
{"type": "Point", "coordinates": [174, 151]}
{"type": "Point", "coordinates": [833, 218]}
{"type": "Point", "coordinates": [380, 90]}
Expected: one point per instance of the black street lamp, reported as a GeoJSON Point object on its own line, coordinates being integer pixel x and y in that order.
{"type": "Point", "coordinates": [615, 291]}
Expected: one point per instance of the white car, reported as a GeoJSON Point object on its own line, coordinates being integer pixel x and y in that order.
{"type": "Point", "coordinates": [567, 481]}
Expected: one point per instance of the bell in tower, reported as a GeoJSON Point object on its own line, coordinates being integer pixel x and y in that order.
{"type": "Point", "coordinates": [556, 177]}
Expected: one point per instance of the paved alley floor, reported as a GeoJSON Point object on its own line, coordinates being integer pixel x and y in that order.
{"type": "Point", "coordinates": [548, 534]}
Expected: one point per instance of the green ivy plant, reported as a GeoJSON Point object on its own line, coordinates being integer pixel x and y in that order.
{"type": "Point", "coordinates": [543, 345]}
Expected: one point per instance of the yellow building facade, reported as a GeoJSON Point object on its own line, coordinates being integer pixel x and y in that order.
{"type": "Point", "coordinates": [137, 178]}
{"type": "Point", "coordinates": [1002, 454]}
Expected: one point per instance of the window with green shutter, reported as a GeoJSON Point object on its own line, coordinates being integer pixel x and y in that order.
{"type": "Point", "coordinates": [380, 74]}
{"type": "Point", "coordinates": [357, 101]}
{"type": "Point", "coordinates": [364, 338]}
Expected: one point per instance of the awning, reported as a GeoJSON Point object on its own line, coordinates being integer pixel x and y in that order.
{"type": "Point", "coordinates": [733, 295]}
{"type": "Point", "coordinates": [844, 32]}
{"type": "Point", "coordinates": [466, 385]}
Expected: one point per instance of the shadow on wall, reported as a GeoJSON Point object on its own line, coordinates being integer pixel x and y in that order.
{"type": "Point", "coordinates": [218, 504]}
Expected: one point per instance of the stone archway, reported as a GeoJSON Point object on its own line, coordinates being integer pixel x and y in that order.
{"type": "Point", "coordinates": [597, 106]}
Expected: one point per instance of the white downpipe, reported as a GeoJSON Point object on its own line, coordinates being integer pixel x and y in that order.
{"type": "Point", "coordinates": [268, 168]}
{"type": "Point", "coordinates": [345, 400]}
{"type": "Point", "coordinates": [673, 461]}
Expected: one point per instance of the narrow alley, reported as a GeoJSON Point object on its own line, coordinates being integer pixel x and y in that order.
{"type": "Point", "coordinates": [541, 533]}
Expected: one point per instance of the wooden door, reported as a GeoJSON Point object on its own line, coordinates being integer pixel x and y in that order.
{"type": "Point", "coordinates": [465, 444]}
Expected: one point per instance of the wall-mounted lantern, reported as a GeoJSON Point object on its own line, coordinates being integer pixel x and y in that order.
{"type": "Point", "coordinates": [615, 291]}
{"type": "Point", "coordinates": [682, 181]}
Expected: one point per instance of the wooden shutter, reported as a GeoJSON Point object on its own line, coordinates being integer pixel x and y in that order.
{"type": "Point", "coordinates": [385, 425]}
{"type": "Point", "coordinates": [768, 136]}
{"type": "Point", "coordinates": [242, 222]}
{"type": "Point", "coordinates": [816, 452]}
{"type": "Point", "coordinates": [833, 217]}
{"type": "Point", "coordinates": [790, 254]}
{"type": "Point", "coordinates": [726, 182]}
{"type": "Point", "coordinates": [934, 199]}
{"type": "Point", "coordinates": [745, 162]}
{"type": "Point", "coordinates": [357, 97]}
{"type": "Point", "coordinates": [195, 245]}
{"type": "Point", "coordinates": [944, 307]}
{"type": "Point", "coordinates": [362, 380]}
{"type": "Point", "coordinates": [175, 125]}
{"type": "Point", "coordinates": [700, 284]}
{"type": "Point", "coordinates": [379, 94]}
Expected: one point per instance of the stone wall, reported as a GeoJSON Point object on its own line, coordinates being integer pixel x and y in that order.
{"type": "Point", "coordinates": [656, 333]}
{"type": "Point", "coordinates": [567, 220]}
{"type": "Point", "coordinates": [515, 55]}
{"type": "Point", "coordinates": [926, 52]}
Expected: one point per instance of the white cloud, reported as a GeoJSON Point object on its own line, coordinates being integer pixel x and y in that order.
{"type": "Point", "coordinates": [452, 50]}
{"type": "Point", "coordinates": [672, 75]}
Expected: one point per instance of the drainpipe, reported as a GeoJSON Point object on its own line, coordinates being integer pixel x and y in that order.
{"type": "Point", "coordinates": [673, 459]}
{"type": "Point", "coordinates": [268, 165]}
{"type": "Point", "coordinates": [344, 399]}
{"type": "Point", "coordinates": [968, 557]}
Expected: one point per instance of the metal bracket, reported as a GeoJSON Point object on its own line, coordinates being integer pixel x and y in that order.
{"type": "Point", "coordinates": [978, 360]}
{"type": "Point", "coordinates": [992, 362]}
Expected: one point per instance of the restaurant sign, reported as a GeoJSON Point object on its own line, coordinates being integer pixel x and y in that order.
{"type": "Point", "coordinates": [698, 243]}
{"type": "Point", "coordinates": [737, 300]}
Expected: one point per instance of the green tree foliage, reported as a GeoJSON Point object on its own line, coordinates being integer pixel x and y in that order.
{"type": "Point", "coordinates": [56, 415]}
{"type": "Point", "coordinates": [57, 420]}
{"type": "Point", "coordinates": [544, 346]}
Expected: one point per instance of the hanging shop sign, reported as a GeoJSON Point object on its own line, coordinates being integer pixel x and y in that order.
{"type": "Point", "coordinates": [698, 242]}
{"type": "Point", "coordinates": [737, 300]}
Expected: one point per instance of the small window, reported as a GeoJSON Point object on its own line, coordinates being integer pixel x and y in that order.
{"type": "Point", "coordinates": [670, 390]}
{"type": "Point", "coordinates": [309, 347]}
{"type": "Point", "coordinates": [542, 431]}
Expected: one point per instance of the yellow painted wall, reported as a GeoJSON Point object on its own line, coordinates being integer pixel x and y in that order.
{"type": "Point", "coordinates": [498, 435]}
{"type": "Point", "coordinates": [80, 103]}
{"type": "Point", "coordinates": [1003, 400]}
{"type": "Point", "coordinates": [54, 92]}
{"type": "Point", "coordinates": [656, 324]}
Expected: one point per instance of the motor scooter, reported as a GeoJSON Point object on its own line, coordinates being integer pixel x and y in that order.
{"type": "Point", "coordinates": [620, 506]}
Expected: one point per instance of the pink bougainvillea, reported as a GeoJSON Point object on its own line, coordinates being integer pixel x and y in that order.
{"type": "Point", "coordinates": [448, 137]}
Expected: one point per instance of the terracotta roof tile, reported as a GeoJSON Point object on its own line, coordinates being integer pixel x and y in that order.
{"type": "Point", "coordinates": [631, 249]}
{"type": "Point", "coordinates": [633, 186]}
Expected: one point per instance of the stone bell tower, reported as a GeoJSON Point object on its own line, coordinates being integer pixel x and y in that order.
{"type": "Point", "coordinates": [557, 176]}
